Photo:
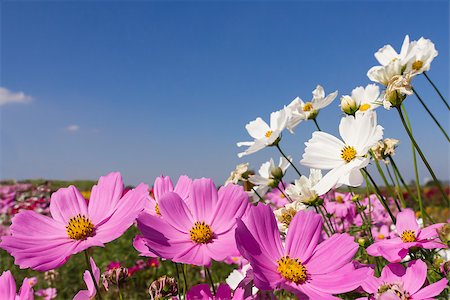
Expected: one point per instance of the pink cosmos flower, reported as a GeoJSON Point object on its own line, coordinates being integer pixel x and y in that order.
{"type": "Point", "coordinates": [341, 205]}
{"type": "Point", "coordinates": [276, 197]}
{"type": "Point", "coordinates": [407, 235]}
{"type": "Point", "coordinates": [301, 266]}
{"type": "Point", "coordinates": [8, 288]}
{"type": "Point", "coordinates": [198, 230]}
{"type": "Point", "coordinates": [91, 291]}
{"type": "Point", "coordinates": [43, 243]}
{"type": "Point", "coordinates": [47, 294]}
{"type": "Point", "coordinates": [203, 292]}
{"type": "Point", "coordinates": [398, 283]}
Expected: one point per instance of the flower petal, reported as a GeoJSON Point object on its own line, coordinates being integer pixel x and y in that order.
{"type": "Point", "coordinates": [203, 199]}
{"type": "Point", "coordinates": [175, 211]}
{"type": "Point", "coordinates": [415, 276]}
{"type": "Point", "coordinates": [67, 203]}
{"type": "Point", "coordinates": [406, 220]}
{"type": "Point", "coordinates": [431, 290]}
{"type": "Point", "coordinates": [162, 185]}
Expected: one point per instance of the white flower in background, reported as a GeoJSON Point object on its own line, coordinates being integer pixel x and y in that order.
{"type": "Point", "coordinates": [387, 54]}
{"type": "Point", "coordinates": [237, 276]}
{"type": "Point", "coordinates": [420, 56]}
{"type": "Point", "coordinates": [269, 174]}
{"type": "Point", "coordinates": [263, 134]}
{"type": "Point", "coordinates": [383, 74]}
{"type": "Point", "coordinates": [256, 192]}
{"type": "Point", "coordinates": [236, 175]}
{"type": "Point", "coordinates": [285, 214]}
{"type": "Point", "coordinates": [300, 110]}
{"type": "Point", "coordinates": [361, 100]}
{"type": "Point", "coordinates": [344, 159]}
{"type": "Point", "coordinates": [397, 89]}
{"type": "Point", "coordinates": [302, 189]}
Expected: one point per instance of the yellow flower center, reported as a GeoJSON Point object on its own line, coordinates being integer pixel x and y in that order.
{"type": "Point", "coordinates": [417, 65]}
{"type": "Point", "coordinates": [348, 153]}
{"type": "Point", "coordinates": [408, 236]}
{"type": "Point", "coordinates": [79, 228]}
{"type": "Point", "coordinates": [339, 199]}
{"type": "Point", "coordinates": [269, 134]}
{"type": "Point", "coordinates": [201, 233]}
{"type": "Point", "coordinates": [308, 106]}
{"type": "Point", "coordinates": [381, 236]}
{"type": "Point", "coordinates": [158, 212]}
{"type": "Point", "coordinates": [292, 269]}
{"type": "Point", "coordinates": [282, 196]}
{"type": "Point", "coordinates": [364, 107]}
{"type": "Point", "coordinates": [286, 216]}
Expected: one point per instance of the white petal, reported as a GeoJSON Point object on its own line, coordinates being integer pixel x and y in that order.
{"type": "Point", "coordinates": [257, 128]}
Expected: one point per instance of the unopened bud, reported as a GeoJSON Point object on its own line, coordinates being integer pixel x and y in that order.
{"type": "Point", "coordinates": [273, 183]}
{"type": "Point", "coordinates": [277, 173]}
{"type": "Point", "coordinates": [348, 105]}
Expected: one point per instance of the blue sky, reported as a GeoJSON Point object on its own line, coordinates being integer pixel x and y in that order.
{"type": "Point", "coordinates": [167, 87]}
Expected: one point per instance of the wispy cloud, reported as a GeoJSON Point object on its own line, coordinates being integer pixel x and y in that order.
{"type": "Point", "coordinates": [72, 128]}
{"type": "Point", "coordinates": [7, 96]}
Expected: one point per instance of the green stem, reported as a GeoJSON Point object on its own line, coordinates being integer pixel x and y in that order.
{"type": "Point", "coordinates": [431, 115]}
{"type": "Point", "coordinates": [210, 281]}
{"type": "Point", "coordinates": [396, 185]}
{"type": "Point", "coordinates": [86, 256]}
{"type": "Point", "coordinates": [388, 186]}
{"type": "Point", "coordinates": [284, 155]}
{"type": "Point", "coordinates": [398, 175]}
{"type": "Point", "coordinates": [317, 124]}
{"type": "Point", "coordinates": [257, 194]}
{"type": "Point", "coordinates": [333, 230]}
{"type": "Point", "coordinates": [422, 156]}
{"type": "Point", "coordinates": [437, 90]}
{"type": "Point", "coordinates": [183, 269]}
{"type": "Point", "coordinates": [178, 277]}
{"type": "Point", "coordinates": [325, 221]}
{"type": "Point", "coordinates": [381, 197]}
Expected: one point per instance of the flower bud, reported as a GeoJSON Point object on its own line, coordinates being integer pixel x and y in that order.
{"type": "Point", "coordinates": [162, 288]}
{"type": "Point", "coordinates": [444, 234]}
{"type": "Point", "coordinates": [348, 105]}
{"type": "Point", "coordinates": [277, 173]}
{"type": "Point", "coordinates": [273, 183]}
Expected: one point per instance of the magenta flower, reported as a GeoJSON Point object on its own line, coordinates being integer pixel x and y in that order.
{"type": "Point", "coordinates": [8, 288]}
{"type": "Point", "coordinates": [91, 291]}
{"type": "Point", "coordinates": [47, 294]}
{"type": "Point", "coordinates": [397, 283]}
{"type": "Point", "coordinates": [301, 266]}
{"type": "Point", "coordinates": [203, 292]}
{"type": "Point", "coordinates": [276, 197]}
{"type": "Point", "coordinates": [341, 205]}
{"type": "Point", "coordinates": [196, 231]}
{"type": "Point", "coordinates": [43, 243]}
{"type": "Point", "coordinates": [407, 235]}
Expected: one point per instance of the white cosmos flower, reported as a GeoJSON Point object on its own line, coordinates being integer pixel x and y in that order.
{"type": "Point", "coordinates": [236, 175]}
{"type": "Point", "coordinates": [344, 158]}
{"type": "Point", "coordinates": [302, 189]}
{"type": "Point", "coordinates": [237, 276]}
{"type": "Point", "coordinates": [263, 134]}
{"type": "Point", "coordinates": [420, 56]}
{"type": "Point", "coordinates": [285, 214]}
{"type": "Point", "coordinates": [265, 176]}
{"type": "Point", "coordinates": [300, 110]}
{"type": "Point", "coordinates": [383, 74]}
{"type": "Point", "coordinates": [387, 53]}
{"type": "Point", "coordinates": [256, 192]}
{"type": "Point", "coordinates": [364, 99]}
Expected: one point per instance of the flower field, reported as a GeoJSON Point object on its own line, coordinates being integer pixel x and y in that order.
{"type": "Point", "coordinates": [332, 233]}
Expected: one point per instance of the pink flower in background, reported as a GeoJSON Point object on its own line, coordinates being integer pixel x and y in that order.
{"type": "Point", "coordinates": [396, 282]}
{"type": "Point", "coordinates": [301, 266]}
{"type": "Point", "coordinates": [407, 235]}
{"type": "Point", "coordinates": [47, 294]}
{"type": "Point", "coordinates": [276, 197]}
{"type": "Point", "coordinates": [196, 231]}
{"type": "Point", "coordinates": [113, 265]}
{"type": "Point", "coordinates": [203, 292]}
{"type": "Point", "coordinates": [341, 205]}
{"type": "Point", "coordinates": [91, 291]}
{"type": "Point", "coordinates": [43, 243]}
{"type": "Point", "coordinates": [8, 288]}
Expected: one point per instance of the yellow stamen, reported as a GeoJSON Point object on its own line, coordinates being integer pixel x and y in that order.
{"type": "Point", "coordinates": [158, 212]}
{"type": "Point", "coordinates": [292, 269]}
{"type": "Point", "coordinates": [364, 107]}
{"type": "Point", "coordinates": [201, 233]}
{"type": "Point", "coordinates": [79, 228]}
{"type": "Point", "coordinates": [381, 236]}
{"type": "Point", "coordinates": [339, 199]}
{"type": "Point", "coordinates": [408, 236]}
{"type": "Point", "coordinates": [417, 65]}
{"type": "Point", "coordinates": [307, 107]}
{"type": "Point", "coordinates": [348, 153]}
{"type": "Point", "coordinates": [286, 216]}
{"type": "Point", "coordinates": [269, 134]}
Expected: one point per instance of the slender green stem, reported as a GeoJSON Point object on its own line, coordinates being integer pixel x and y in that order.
{"type": "Point", "coordinates": [317, 124]}
{"type": "Point", "coordinates": [285, 196]}
{"type": "Point", "coordinates": [210, 281]}
{"type": "Point", "coordinates": [422, 156]}
{"type": "Point", "coordinates": [388, 186]}
{"type": "Point", "coordinates": [437, 90]}
{"type": "Point", "coordinates": [431, 115]}
{"type": "Point", "coordinates": [86, 256]}
{"type": "Point", "coordinates": [119, 291]}
{"type": "Point", "coordinates": [287, 158]}
{"type": "Point", "coordinates": [178, 277]}
{"type": "Point", "coordinates": [183, 269]}
{"type": "Point", "coordinates": [333, 230]}
{"type": "Point", "coordinates": [396, 185]}
{"type": "Point", "coordinates": [257, 194]}
{"type": "Point", "coordinates": [381, 197]}
{"type": "Point", "coordinates": [325, 221]}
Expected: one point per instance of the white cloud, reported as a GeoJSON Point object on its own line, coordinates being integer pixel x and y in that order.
{"type": "Point", "coordinates": [72, 128]}
{"type": "Point", "coordinates": [6, 97]}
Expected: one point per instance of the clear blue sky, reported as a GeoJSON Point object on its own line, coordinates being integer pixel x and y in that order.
{"type": "Point", "coordinates": [167, 87]}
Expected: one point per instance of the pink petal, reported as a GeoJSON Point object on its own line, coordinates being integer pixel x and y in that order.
{"type": "Point", "coordinates": [176, 213]}
{"type": "Point", "coordinates": [371, 283]}
{"type": "Point", "coordinates": [139, 243]}
{"type": "Point", "coordinates": [431, 290]}
{"type": "Point", "coordinates": [221, 247]}
{"type": "Point", "coordinates": [344, 280]}
{"type": "Point", "coordinates": [67, 203]}
{"type": "Point", "coordinates": [406, 220]}
{"type": "Point", "coordinates": [429, 232]}
{"type": "Point", "coordinates": [308, 292]}
{"type": "Point", "coordinates": [391, 249]}
{"type": "Point", "coordinates": [162, 185]}
{"type": "Point", "coordinates": [203, 199]}
{"type": "Point", "coordinates": [263, 263]}
{"type": "Point", "coordinates": [123, 216]}
{"type": "Point", "coordinates": [232, 204]}
{"type": "Point", "coordinates": [183, 187]}
{"type": "Point", "coordinates": [198, 292]}
{"type": "Point", "coordinates": [415, 276]}
{"type": "Point", "coordinates": [303, 235]}
{"type": "Point", "coordinates": [196, 255]}
{"type": "Point", "coordinates": [223, 292]}
{"type": "Point", "coordinates": [104, 196]}
{"type": "Point", "coordinates": [392, 273]}
{"type": "Point", "coordinates": [89, 283]}
{"type": "Point", "coordinates": [341, 246]}
{"type": "Point", "coordinates": [7, 286]}
{"type": "Point", "coordinates": [82, 295]}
